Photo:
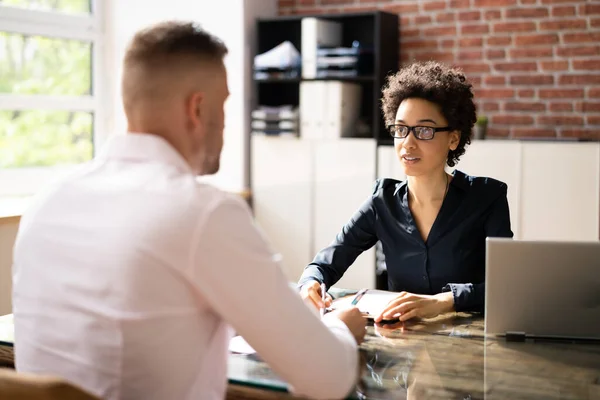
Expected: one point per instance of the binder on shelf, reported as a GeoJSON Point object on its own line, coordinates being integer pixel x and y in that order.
{"type": "Point", "coordinates": [317, 33]}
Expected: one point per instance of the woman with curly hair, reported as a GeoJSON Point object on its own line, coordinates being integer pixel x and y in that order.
{"type": "Point", "coordinates": [433, 225]}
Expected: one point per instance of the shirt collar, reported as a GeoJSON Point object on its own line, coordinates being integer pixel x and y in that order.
{"type": "Point", "coordinates": [143, 147]}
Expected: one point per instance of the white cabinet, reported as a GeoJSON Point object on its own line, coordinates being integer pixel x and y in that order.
{"type": "Point", "coordinates": [282, 198]}
{"type": "Point", "coordinates": [344, 177]}
{"type": "Point", "coordinates": [304, 191]}
{"type": "Point", "coordinates": [560, 191]}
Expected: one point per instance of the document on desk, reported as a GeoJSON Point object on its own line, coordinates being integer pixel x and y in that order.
{"type": "Point", "coordinates": [372, 302]}
{"type": "Point", "coordinates": [238, 345]}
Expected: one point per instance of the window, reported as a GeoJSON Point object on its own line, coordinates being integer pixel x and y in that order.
{"type": "Point", "coordinates": [50, 93]}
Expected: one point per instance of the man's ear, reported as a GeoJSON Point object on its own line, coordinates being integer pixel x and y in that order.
{"type": "Point", "coordinates": [194, 108]}
{"type": "Point", "coordinates": [454, 140]}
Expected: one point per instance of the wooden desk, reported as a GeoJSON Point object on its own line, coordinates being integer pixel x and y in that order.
{"type": "Point", "coordinates": [444, 358]}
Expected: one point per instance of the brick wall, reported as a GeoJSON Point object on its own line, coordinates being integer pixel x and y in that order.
{"type": "Point", "coordinates": [535, 64]}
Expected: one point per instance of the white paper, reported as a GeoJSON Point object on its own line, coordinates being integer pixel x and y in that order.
{"type": "Point", "coordinates": [373, 302]}
{"type": "Point", "coordinates": [238, 344]}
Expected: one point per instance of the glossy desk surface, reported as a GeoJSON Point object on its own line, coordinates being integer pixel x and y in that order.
{"type": "Point", "coordinates": [449, 357]}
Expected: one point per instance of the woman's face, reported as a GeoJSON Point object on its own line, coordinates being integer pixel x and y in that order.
{"type": "Point", "coordinates": [423, 157]}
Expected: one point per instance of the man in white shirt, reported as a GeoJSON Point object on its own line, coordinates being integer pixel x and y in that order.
{"type": "Point", "coordinates": [130, 275]}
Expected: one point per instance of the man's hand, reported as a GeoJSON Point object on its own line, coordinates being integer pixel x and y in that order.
{"type": "Point", "coordinates": [409, 305]}
{"type": "Point", "coordinates": [311, 292]}
{"type": "Point", "coordinates": [354, 320]}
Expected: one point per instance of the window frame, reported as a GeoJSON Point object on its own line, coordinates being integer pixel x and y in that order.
{"type": "Point", "coordinates": [26, 181]}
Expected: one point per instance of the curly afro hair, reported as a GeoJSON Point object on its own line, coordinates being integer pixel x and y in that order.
{"type": "Point", "coordinates": [435, 82]}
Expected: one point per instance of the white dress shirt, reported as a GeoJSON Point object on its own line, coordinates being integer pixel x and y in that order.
{"type": "Point", "coordinates": [130, 275]}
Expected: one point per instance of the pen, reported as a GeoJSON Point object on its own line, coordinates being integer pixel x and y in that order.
{"type": "Point", "coordinates": [358, 296]}
{"type": "Point", "coordinates": [323, 291]}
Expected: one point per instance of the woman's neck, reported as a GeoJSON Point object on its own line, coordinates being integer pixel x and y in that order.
{"type": "Point", "coordinates": [428, 189]}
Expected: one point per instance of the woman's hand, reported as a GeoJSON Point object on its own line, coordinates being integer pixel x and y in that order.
{"type": "Point", "coordinates": [409, 305]}
{"type": "Point", "coordinates": [311, 293]}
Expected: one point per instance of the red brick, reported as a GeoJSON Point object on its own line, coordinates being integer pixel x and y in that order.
{"type": "Point", "coordinates": [587, 65]}
{"type": "Point", "coordinates": [578, 51]}
{"type": "Point", "coordinates": [504, 27]}
{"type": "Point", "coordinates": [593, 134]}
{"type": "Point", "coordinates": [405, 20]}
{"type": "Point", "coordinates": [588, 106]}
{"type": "Point", "coordinates": [579, 80]}
{"type": "Point", "coordinates": [448, 43]}
{"type": "Point", "coordinates": [563, 11]}
{"type": "Point", "coordinates": [285, 3]}
{"type": "Point", "coordinates": [470, 42]}
{"type": "Point", "coordinates": [494, 3]}
{"type": "Point", "coordinates": [474, 29]}
{"type": "Point", "coordinates": [533, 132]}
{"type": "Point", "coordinates": [582, 37]}
{"type": "Point", "coordinates": [498, 132]}
{"type": "Point", "coordinates": [524, 106]}
{"type": "Point", "coordinates": [562, 25]}
{"type": "Point", "coordinates": [495, 93]}
{"type": "Point", "coordinates": [495, 54]}
{"type": "Point", "coordinates": [434, 5]}
{"type": "Point", "coordinates": [528, 2]}
{"type": "Point", "coordinates": [560, 120]}
{"type": "Point", "coordinates": [471, 68]}
{"type": "Point", "coordinates": [460, 4]}
{"type": "Point", "coordinates": [526, 93]}
{"type": "Point", "coordinates": [402, 8]}
{"type": "Point", "coordinates": [561, 107]}
{"type": "Point", "coordinates": [492, 14]}
{"type": "Point", "coordinates": [410, 33]}
{"type": "Point", "coordinates": [528, 40]}
{"type": "Point", "coordinates": [470, 55]}
{"type": "Point", "coordinates": [589, 9]}
{"type": "Point", "coordinates": [469, 16]}
{"type": "Point", "coordinates": [445, 17]}
{"type": "Point", "coordinates": [561, 93]}
{"type": "Point", "coordinates": [515, 66]}
{"type": "Point", "coordinates": [532, 80]}
{"type": "Point", "coordinates": [499, 41]}
{"type": "Point", "coordinates": [493, 80]}
{"type": "Point", "coordinates": [560, 1]}
{"type": "Point", "coordinates": [440, 31]}
{"type": "Point", "coordinates": [308, 2]}
{"type": "Point", "coordinates": [538, 12]}
{"type": "Point", "coordinates": [423, 19]}
{"type": "Point", "coordinates": [512, 119]}
{"type": "Point", "coordinates": [328, 2]}
{"type": "Point", "coordinates": [419, 44]}
{"type": "Point", "coordinates": [595, 22]}
{"type": "Point", "coordinates": [593, 120]}
{"type": "Point", "coordinates": [531, 52]}
{"type": "Point", "coordinates": [555, 65]}
{"type": "Point", "coordinates": [487, 107]}
{"type": "Point", "coordinates": [594, 93]}
{"type": "Point", "coordinates": [435, 56]}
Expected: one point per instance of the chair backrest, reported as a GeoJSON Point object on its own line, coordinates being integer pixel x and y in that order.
{"type": "Point", "coordinates": [25, 386]}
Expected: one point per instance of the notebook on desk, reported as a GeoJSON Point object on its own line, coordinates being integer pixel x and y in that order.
{"type": "Point", "coordinates": [542, 289]}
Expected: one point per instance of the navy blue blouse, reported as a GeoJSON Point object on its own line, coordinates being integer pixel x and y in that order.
{"type": "Point", "coordinates": [452, 258]}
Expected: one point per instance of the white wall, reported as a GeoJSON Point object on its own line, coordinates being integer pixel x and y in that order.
{"type": "Point", "coordinates": [233, 22]}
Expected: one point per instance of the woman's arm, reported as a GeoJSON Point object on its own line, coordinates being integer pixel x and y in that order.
{"type": "Point", "coordinates": [471, 296]}
{"type": "Point", "coordinates": [356, 236]}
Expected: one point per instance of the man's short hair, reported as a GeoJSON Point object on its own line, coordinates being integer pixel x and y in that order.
{"type": "Point", "coordinates": [169, 42]}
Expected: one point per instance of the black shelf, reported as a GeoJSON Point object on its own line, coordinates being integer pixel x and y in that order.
{"type": "Point", "coordinates": [375, 29]}
{"type": "Point", "coordinates": [369, 78]}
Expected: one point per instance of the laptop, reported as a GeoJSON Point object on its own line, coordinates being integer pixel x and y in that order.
{"type": "Point", "coordinates": [542, 289]}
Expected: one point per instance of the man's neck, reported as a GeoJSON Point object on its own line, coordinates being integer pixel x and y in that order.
{"type": "Point", "coordinates": [428, 189]}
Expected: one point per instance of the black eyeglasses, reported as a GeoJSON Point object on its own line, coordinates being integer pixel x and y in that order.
{"type": "Point", "coordinates": [421, 132]}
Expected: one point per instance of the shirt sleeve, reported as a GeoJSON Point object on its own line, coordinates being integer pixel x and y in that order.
{"type": "Point", "coordinates": [471, 296]}
{"type": "Point", "coordinates": [240, 278]}
{"type": "Point", "coordinates": [357, 236]}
